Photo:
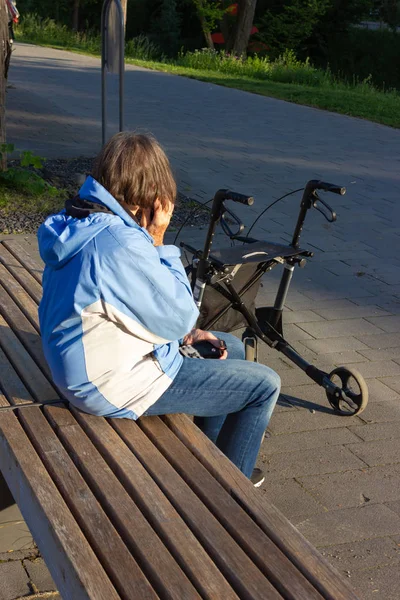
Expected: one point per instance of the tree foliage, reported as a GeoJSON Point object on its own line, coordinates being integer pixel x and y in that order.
{"type": "Point", "coordinates": [303, 25]}
{"type": "Point", "coordinates": [388, 11]}
{"type": "Point", "coordinates": [287, 25]}
{"type": "Point", "coordinates": [165, 26]}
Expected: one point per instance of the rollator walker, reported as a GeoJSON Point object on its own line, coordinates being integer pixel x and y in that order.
{"type": "Point", "coordinates": [225, 283]}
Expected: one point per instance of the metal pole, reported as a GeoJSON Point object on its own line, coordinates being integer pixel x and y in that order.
{"type": "Point", "coordinates": [105, 62]}
{"type": "Point", "coordinates": [103, 71]}
{"type": "Point", "coordinates": [121, 64]}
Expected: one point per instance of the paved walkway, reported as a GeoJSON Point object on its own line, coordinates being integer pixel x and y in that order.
{"type": "Point", "coordinates": [337, 479]}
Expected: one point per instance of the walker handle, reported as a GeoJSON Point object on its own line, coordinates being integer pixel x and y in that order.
{"type": "Point", "coordinates": [326, 187]}
{"type": "Point", "coordinates": [222, 195]}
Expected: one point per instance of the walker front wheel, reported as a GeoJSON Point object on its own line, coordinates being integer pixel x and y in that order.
{"type": "Point", "coordinates": [250, 347]}
{"type": "Point", "coordinates": [351, 395]}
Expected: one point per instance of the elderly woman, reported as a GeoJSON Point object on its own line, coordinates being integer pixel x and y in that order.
{"type": "Point", "coordinates": [117, 306]}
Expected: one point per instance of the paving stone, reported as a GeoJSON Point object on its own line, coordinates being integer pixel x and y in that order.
{"type": "Point", "coordinates": [356, 487]}
{"type": "Point", "coordinates": [383, 340]}
{"type": "Point", "coordinates": [294, 377]}
{"type": "Point", "coordinates": [395, 507]}
{"type": "Point", "coordinates": [381, 583]}
{"type": "Point", "coordinates": [11, 513]}
{"type": "Point", "coordinates": [305, 303]}
{"type": "Point", "coordinates": [19, 554]}
{"type": "Point", "coordinates": [366, 554]}
{"type": "Point", "coordinates": [340, 344]}
{"type": "Point", "coordinates": [304, 420]}
{"type": "Point", "coordinates": [382, 354]}
{"type": "Point", "coordinates": [381, 452]}
{"type": "Point", "coordinates": [15, 536]}
{"type": "Point", "coordinates": [342, 358]}
{"type": "Point", "coordinates": [370, 370]}
{"type": "Point", "coordinates": [389, 324]}
{"type": "Point", "coordinates": [377, 431]}
{"type": "Point", "coordinates": [291, 499]}
{"type": "Point", "coordinates": [330, 361]}
{"type": "Point", "coordinates": [14, 581]}
{"type": "Point", "coordinates": [39, 575]}
{"type": "Point", "coordinates": [342, 328]}
{"type": "Point", "coordinates": [392, 382]}
{"type": "Point", "coordinates": [283, 405]}
{"type": "Point", "coordinates": [353, 312]}
{"type": "Point", "coordinates": [306, 440]}
{"type": "Point", "coordinates": [300, 316]}
{"type": "Point", "coordinates": [350, 525]}
{"type": "Point", "coordinates": [332, 293]}
{"type": "Point", "coordinates": [306, 462]}
{"type": "Point", "coordinates": [388, 304]}
{"type": "Point", "coordinates": [293, 333]}
{"type": "Point", "coordinates": [381, 412]}
{"type": "Point", "coordinates": [276, 363]}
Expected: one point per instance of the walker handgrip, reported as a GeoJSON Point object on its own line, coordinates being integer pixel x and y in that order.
{"type": "Point", "coordinates": [242, 198]}
{"type": "Point", "coordinates": [330, 187]}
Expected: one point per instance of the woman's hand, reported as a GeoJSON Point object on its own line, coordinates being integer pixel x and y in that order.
{"type": "Point", "coordinates": [156, 221]}
{"type": "Point", "coordinates": [198, 335]}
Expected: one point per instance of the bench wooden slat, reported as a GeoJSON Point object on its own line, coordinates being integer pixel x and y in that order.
{"type": "Point", "coordinates": [24, 365]}
{"type": "Point", "coordinates": [307, 559]}
{"type": "Point", "coordinates": [28, 282]}
{"type": "Point", "coordinates": [107, 544]}
{"type": "Point", "coordinates": [269, 559]}
{"type": "Point", "coordinates": [27, 255]}
{"type": "Point", "coordinates": [157, 509]}
{"type": "Point", "coordinates": [77, 570]}
{"type": "Point", "coordinates": [20, 297]}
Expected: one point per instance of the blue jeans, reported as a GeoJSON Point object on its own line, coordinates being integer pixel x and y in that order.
{"type": "Point", "coordinates": [232, 401]}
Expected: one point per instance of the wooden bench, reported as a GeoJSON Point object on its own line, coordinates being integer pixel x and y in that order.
{"type": "Point", "coordinates": [134, 510]}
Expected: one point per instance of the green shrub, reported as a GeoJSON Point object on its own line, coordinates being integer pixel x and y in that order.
{"type": "Point", "coordinates": [46, 31]}
{"type": "Point", "coordinates": [23, 179]}
{"type": "Point", "coordinates": [286, 69]}
{"type": "Point", "coordinates": [361, 52]}
{"type": "Point", "coordinates": [142, 48]}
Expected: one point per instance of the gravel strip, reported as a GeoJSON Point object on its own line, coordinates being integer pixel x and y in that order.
{"type": "Point", "coordinates": [69, 175]}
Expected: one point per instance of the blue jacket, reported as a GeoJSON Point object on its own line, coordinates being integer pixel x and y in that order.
{"type": "Point", "coordinates": [114, 307]}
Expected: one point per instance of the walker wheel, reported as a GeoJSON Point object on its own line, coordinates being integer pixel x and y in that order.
{"type": "Point", "coordinates": [250, 347]}
{"type": "Point", "coordinates": [352, 396]}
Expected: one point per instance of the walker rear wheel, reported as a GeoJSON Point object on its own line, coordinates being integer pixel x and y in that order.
{"type": "Point", "coordinates": [250, 347]}
{"type": "Point", "coordinates": [351, 395]}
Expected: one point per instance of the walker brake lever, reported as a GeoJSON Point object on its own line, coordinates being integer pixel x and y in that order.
{"type": "Point", "coordinates": [331, 218]}
{"type": "Point", "coordinates": [225, 227]}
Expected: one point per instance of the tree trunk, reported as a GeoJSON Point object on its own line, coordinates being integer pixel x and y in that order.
{"type": "Point", "coordinates": [206, 33]}
{"type": "Point", "coordinates": [3, 44]}
{"type": "Point", "coordinates": [239, 39]}
{"type": "Point", "coordinates": [75, 16]}
{"type": "Point", "coordinates": [204, 26]}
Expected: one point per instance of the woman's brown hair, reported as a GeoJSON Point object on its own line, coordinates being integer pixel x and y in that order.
{"type": "Point", "coordinates": [134, 169]}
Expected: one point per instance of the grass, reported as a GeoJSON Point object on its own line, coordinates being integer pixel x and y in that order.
{"type": "Point", "coordinates": [23, 191]}
{"type": "Point", "coordinates": [286, 78]}
{"type": "Point", "coordinates": [12, 201]}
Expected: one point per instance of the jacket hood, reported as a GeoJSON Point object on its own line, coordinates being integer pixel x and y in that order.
{"type": "Point", "coordinates": [61, 237]}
